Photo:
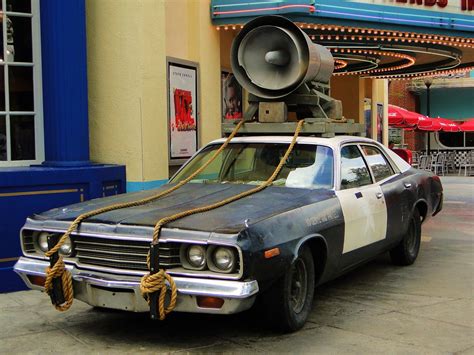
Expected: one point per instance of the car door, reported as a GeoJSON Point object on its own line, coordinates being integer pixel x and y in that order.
{"type": "Point", "coordinates": [396, 188]}
{"type": "Point", "coordinates": [363, 207]}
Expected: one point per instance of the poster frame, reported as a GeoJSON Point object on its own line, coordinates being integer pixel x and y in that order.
{"type": "Point", "coordinates": [177, 62]}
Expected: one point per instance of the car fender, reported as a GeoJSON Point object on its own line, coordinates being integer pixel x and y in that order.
{"type": "Point", "coordinates": [415, 204]}
{"type": "Point", "coordinates": [304, 240]}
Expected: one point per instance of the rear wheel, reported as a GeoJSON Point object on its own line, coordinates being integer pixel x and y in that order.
{"type": "Point", "coordinates": [289, 301]}
{"type": "Point", "coordinates": [406, 252]}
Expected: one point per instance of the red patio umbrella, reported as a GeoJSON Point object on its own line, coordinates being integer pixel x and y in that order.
{"type": "Point", "coordinates": [467, 126]}
{"type": "Point", "coordinates": [438, 124]}
{"type": "Point", "coordinates": [399, 117]}
{"type": "Point", "coordinates": [396, 115]}
{"type": "Point", "coordinates": [450, 126]}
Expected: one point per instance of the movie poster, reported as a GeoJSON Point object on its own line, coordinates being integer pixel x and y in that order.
{"type": "Point", "coordinates": [379, 122]}
{"type": "Point", "coordinates": [231, 97]}
{"type": "Point", "coordinates": [183, 109]}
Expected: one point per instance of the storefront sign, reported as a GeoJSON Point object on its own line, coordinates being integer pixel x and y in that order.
{"type": "Point", "coordinates": [182, 109]}
{"type": "Point", "coordinates": [447, 6]}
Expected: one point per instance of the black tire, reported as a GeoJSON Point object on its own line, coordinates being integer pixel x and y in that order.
{"type": "Point", "coordinates": [406, 252]}
{"type": "Point", "coordinates": [289, 301]}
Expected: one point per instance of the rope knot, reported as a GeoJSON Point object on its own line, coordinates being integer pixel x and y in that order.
{"type": "Point", "coordinates": [59, 271]}
{"type": "Point", "coordinates": [151, 283]}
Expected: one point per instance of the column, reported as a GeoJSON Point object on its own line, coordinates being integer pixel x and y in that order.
{"type": "Point", "coordinates": [64, 64]}
{"type": "Point", "coordinates": [380, 101]}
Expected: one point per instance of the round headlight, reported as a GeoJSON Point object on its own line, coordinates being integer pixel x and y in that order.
{"type": "Point", "coordinates": [66, 248]}
{"type": "Point", "coordinates": [43, 241]}
{"type": "Point", "coordinates": [224, 258]}
{"type": "Point", "coordinates": [196, 255]}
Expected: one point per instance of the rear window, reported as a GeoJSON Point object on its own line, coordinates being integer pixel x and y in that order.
{"type": "Point", "coordinates": [377, 162]}
{"type": "Point", "coordinates": [354, 172]}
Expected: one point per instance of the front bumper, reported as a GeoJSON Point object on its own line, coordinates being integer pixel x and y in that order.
{"type": "Point", "coordinates": [123, 292]}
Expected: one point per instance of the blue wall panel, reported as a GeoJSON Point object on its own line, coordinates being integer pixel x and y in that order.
{"type": "Point", "coordinates": [24, 191]}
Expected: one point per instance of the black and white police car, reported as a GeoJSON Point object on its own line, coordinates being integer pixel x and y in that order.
{"type": "Point", "coordinates": [336, 203]}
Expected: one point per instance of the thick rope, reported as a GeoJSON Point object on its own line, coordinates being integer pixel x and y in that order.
{"type": "Point", "coordinates": [59, 270]}
{"type": "Point", "coordinates": [150, 282]}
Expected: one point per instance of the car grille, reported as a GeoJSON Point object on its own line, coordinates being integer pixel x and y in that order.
{"type": "Point", "coordinates": [122, 254]}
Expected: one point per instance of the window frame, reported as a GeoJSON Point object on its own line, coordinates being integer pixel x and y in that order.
{"type": "Point", "coordinates": [389, 162]}
{"type": "Point", "coordinates": [36, 65]}
{"type": "Point", "coordinates": [464, 139]}
{"type": "Point", "coordinates": [395, 169]}
{"type": "Point", "coordinates": [357, 145]}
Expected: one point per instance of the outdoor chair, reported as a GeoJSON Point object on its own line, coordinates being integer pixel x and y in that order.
{"type": "Point", "coordinates": [467, 163]}
{"type": "Point", "coordinates": [438, 163]}
{"type": "Point", "coordinates": [425, 162]}
{"type": "Point", "coordinates": [450, 161]}
{"type": "Point", "coordinates": [415, 162]}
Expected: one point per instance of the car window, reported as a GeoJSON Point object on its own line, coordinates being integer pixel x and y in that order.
{"type": "Point", "coordinates": [354, 171]}
{"type": "Point", "coordinates": [308, 166]}
{"type": "Point", "coordinates": [244, 162]}
{"type": "Point", "coordinates": [377, 162]}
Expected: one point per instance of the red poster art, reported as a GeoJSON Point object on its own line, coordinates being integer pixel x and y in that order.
{"type": "Point", "coordinates": [183, 103]}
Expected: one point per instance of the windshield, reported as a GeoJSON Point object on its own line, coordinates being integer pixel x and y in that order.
{"type": "Point", "coordinates": [308, 166]}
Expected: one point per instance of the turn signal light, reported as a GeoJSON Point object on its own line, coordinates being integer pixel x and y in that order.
{"type": "Point", "coordinates": [210, 302]}
{"type": "Point", "coordinates": [271, 253]}
{"type": "Point", "coordinates": [37, 280]}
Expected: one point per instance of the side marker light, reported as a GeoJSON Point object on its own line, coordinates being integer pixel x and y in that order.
{"type": "Point", "coordinates": [272, 253]}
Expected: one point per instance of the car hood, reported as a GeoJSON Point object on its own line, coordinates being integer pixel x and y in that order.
{"type": "Point", "coordinates": [228, 218]}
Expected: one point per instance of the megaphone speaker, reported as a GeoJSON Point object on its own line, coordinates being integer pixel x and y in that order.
{"type": "Point", "coordinates": [271, 57]}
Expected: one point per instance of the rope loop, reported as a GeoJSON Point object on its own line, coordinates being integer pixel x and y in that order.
{"type": "Point", "coordinates": [151, 283]}
{"type": "Point", "coordinates": [59, 271]}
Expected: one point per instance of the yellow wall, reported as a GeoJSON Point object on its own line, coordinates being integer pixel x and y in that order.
{"type": "Point", "coordinates": [346, 89]}
{"type": "Point", "coordinates": [128, 42]}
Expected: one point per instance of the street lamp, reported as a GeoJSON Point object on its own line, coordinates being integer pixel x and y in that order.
{"type": "Point", "coordinates": [428, 83]}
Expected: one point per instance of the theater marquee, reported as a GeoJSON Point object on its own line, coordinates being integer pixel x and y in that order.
{"type": "Point", "coordinates": [446, 6]}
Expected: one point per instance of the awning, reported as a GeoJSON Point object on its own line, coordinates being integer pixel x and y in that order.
{"type": "Point", "coordinates": [467, 126]}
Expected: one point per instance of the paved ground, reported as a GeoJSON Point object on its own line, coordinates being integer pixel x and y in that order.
{"type": "Point", "coordinates": [378, 308]}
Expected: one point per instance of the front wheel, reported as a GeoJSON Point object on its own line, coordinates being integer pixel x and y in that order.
{"type": "Point", "coordinates": [406, 252]}
{"type": "Point", "coordinates": [289, 301]}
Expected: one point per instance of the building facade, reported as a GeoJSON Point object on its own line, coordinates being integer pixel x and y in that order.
{"type": "Point", "coordinates": [106, 96]}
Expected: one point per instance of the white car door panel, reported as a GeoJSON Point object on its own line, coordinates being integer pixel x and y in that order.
{"type": "Point", "coordinates": [365, 216]}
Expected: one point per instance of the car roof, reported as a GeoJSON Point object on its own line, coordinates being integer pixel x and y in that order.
{"type": "Point", "coordinates": [334, 142]}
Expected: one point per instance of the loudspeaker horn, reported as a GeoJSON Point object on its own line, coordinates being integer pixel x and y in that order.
{"type": "Point", "coordinates": [271, 57]}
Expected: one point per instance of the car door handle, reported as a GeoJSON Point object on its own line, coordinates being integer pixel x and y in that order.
{"type": "Point", "coordinates": [407, 185]}
{"type": "Point", "coordinates": [379, 195]}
